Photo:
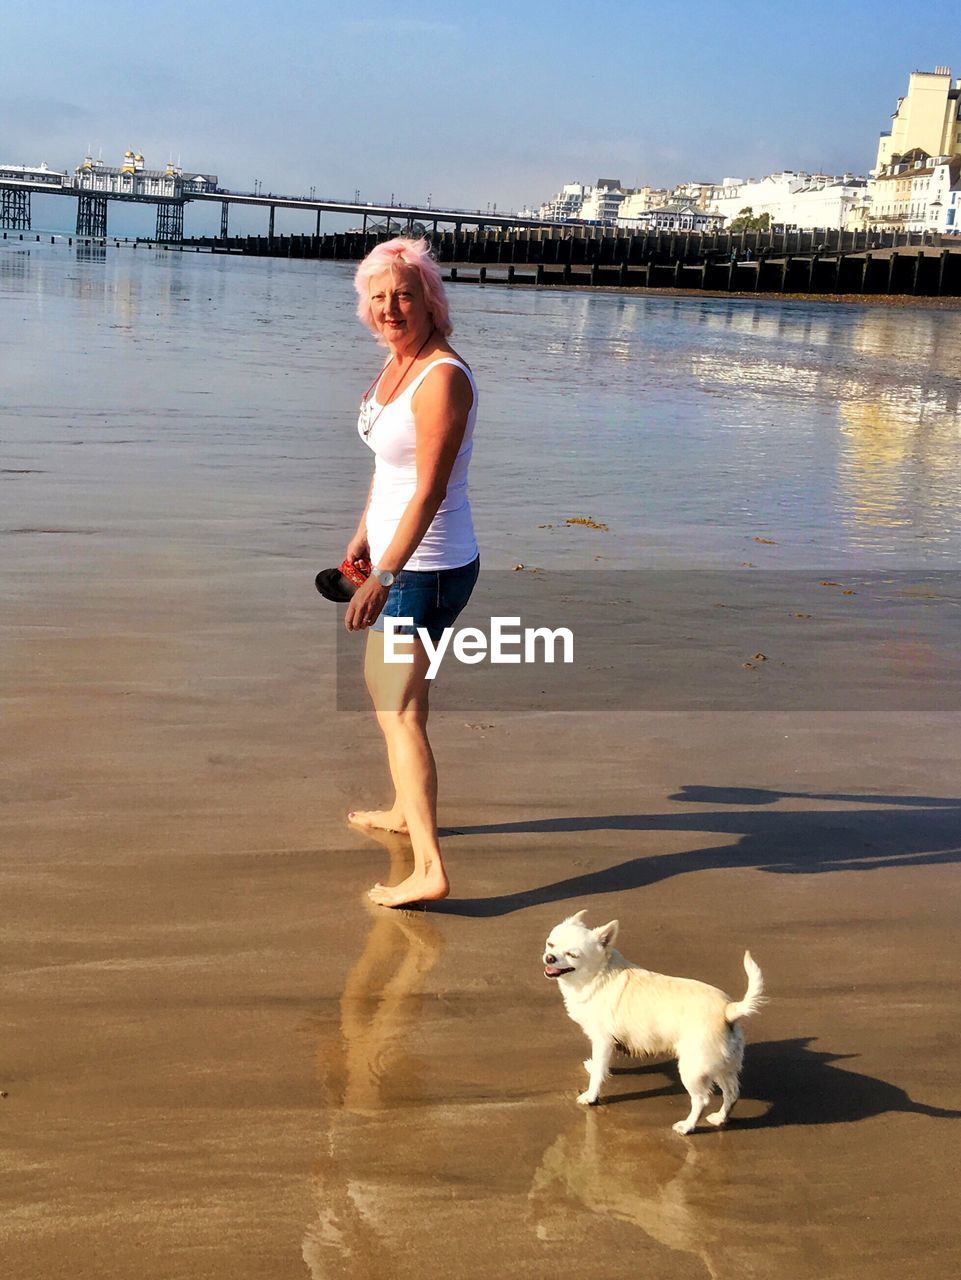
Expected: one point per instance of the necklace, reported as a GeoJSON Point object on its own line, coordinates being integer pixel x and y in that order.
{"type": "Point", "coordinates": [367, 422]}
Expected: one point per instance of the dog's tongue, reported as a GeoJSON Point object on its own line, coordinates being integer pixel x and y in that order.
{"type": "Point", "coordinates": [551, 971]}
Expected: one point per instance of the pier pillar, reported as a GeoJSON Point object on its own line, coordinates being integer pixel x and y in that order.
{"type": "Point", "coordinates": [865, 272]}
{"type": "Point", "coordinates": [223, 219]}
{"type": "Point", "coordinates": [918, 267]}
{"type": "Point", "coordinates": [270, 225]}
{"type": "Point", "coordinates": [14, 210]}
{"type": "Point", "coordinates": [92, 216]}
{"type": "Point", "coordinates": [170, 221]}
{"type": "Point", "coordinates": [317, 232]}
{"type": "Point", "coordinates": [892, 267]}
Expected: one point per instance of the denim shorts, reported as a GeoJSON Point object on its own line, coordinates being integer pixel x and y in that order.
{"type": "Point", "coordinates": [433, 598]}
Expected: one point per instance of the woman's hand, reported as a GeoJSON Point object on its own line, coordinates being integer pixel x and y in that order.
{"type": "Point", "coordinates": [358, 548]}
{"type": "Point", "coordinates": [365, 605]}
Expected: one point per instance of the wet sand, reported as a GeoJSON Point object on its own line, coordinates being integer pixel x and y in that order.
{"type": "Point", "coordinates": [220, 1061]}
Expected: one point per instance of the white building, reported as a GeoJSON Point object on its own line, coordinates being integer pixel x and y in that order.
{"type": "Point", "coordinates": [566, 204]}
{"type": "Point", "coordinates": [576, 202]}
{"type": "Point", "coordinates": [639, 202]}
{"type": "Point", "coordinates": [952, 212]}
{"type": "Point", "coordinates": [603, 202]}
{"type": "Point", "coordinates": [675, 216]}
{"type": "Point", "coordinates": [803, 200]}
{"type": "Point", "coordinates": [132, 179]}
{"type": "Point", "coordinates": [918, 192]}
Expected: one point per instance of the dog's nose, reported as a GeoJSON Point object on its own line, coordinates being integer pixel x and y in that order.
{"type": "Point", "coordinates": [549, 959]}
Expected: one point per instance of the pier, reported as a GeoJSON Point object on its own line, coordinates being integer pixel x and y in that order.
{"type": "Point", "coordinates": [94, 185]}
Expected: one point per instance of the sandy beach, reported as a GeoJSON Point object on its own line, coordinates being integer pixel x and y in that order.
{"type": "Point", "coordinates": [219, 1060]}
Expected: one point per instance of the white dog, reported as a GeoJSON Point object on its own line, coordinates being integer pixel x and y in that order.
{"type": "Point", "coordinates": [619, 1005]}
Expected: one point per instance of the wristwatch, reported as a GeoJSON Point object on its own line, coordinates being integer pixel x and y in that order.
{"type": "Point", "coordinates": [383, 576]}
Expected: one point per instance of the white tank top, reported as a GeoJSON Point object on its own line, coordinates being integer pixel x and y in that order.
{"type": "Point", "coordinates": [449, 542]}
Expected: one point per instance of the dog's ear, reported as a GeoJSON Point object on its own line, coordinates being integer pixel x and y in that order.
{"type": "Point", "coordinates": [606, 934]}
{"type": "Point", "coordinates": [578, 918]}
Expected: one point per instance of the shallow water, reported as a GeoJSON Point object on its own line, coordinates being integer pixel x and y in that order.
{"type": "Point", "coordinates": [182, 395]}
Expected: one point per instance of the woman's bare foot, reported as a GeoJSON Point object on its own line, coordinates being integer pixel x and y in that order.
{"type": "Point", "coordinates": [429, 887]}
{"type": "Point", "coordinates": [378, 820]}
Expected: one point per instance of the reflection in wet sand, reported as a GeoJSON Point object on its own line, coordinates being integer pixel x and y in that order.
{"type": "Point", "coordinates": [368, 1068]}
{"type": "Point", "coordinates": [688, 1196]}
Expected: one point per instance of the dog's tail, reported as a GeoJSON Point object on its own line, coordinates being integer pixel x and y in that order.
{"type": "Point", "coordinates": [753, 997]}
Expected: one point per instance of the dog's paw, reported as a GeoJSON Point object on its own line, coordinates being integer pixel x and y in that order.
{"type": "Point", "coordinates": [717, 1118]}
{"type": "Point", "coordinates": [587, 1099]}
{"type": "Point", "coordinates": [588, 1065]}
{"type": "Point", "coordinates": [682, 1127]}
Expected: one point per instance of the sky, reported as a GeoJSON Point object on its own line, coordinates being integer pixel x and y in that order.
{"type": "Point", "coordinates": [499, 103]}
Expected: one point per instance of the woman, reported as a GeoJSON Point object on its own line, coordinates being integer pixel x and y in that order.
{"type": "Point", "coordinates": [416, 531]}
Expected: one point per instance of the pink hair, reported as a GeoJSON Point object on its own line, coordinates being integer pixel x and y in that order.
{"type": "Point", "coordinates": [414, 254]}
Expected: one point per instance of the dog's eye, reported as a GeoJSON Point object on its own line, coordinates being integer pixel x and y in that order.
{"type": "Point", "coordinates": [571, 955]}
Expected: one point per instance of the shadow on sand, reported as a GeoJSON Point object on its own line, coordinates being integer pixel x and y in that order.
{"type": "Point", "coordinates": [895, 831]}
{"type": "Point", "coordinates": [801, 1085]}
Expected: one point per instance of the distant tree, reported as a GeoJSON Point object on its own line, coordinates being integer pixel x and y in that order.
{"type": "Point", "coordinates": [747, 221]}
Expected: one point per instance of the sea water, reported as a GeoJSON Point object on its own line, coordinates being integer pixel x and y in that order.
{"type": "Point", "coordinates": [203, 399]}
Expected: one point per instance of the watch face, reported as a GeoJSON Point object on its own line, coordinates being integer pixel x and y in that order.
{"type": "Point", "coordinates": [384, 577]}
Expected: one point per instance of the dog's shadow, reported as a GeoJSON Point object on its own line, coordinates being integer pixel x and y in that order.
{"type": "Point", "coordinates": [800, 1084]}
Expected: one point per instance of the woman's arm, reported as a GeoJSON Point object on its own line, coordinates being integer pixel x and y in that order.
{"type": "Point", "coordinates": [441, 406]}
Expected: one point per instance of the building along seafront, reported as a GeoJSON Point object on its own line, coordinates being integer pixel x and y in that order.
{"type": "Point", "coordinates": [805, 200]}
{"type": "Point", "coordinates": [917, 174]}
{"type": "Point", "coordinates": [676, 215]}
{"type": "Point", "coordinates": [566, 205]}
{"type": "Point", "coordinates": [927, 118]}
{"type": "Point", "coordinates": [914, 185]}
{"type": "Point", "coordinates": [790, 199]}
{"type": "Point", "coordinates": [918, 192]}
{"type": "Point", "coordinates": [609, 204]}
{"type": "Point", "coordinates": [603, 202]}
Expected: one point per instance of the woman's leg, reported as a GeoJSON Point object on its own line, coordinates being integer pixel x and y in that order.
{"type": "Point", "coordinates": [391, 819]}
{"type": "Point", "coordinates": [400, 695]}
